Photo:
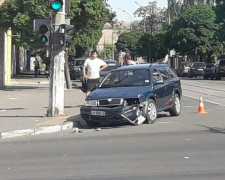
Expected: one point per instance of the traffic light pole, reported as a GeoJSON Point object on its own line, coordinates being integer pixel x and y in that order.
{"type": "Point", "coordinates": [56, 89]}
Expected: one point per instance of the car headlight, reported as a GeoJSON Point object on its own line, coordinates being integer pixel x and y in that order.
{"type": "Point", "coordinates": [90, 103]}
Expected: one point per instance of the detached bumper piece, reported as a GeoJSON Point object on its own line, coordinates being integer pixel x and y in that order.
{"type": "Point", "coordinates": [132, 114]}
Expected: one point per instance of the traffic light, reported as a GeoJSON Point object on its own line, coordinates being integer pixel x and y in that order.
{"type": "Point", "coordinates": [44, 34]}
{"type": "Point", "coordinates": [66, 29]}
{"type": "Point", "coordinates": [56, 5]}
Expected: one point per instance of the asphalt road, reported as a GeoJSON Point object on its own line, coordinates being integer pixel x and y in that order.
{"type": "Point", "coordinates": [187, 147]}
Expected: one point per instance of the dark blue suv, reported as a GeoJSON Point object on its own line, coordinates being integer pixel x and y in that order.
{"type": "Point", "coordinates": [135, 94]}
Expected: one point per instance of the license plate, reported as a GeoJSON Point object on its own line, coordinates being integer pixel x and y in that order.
{"type": "Point", "coordinates": [200, 69]}
{"type": "Point", "coordinates": [98, 113]}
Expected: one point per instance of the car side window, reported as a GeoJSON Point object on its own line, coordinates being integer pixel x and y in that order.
{"type": "Point", "coordinates": [163, 73]}
{"type": "Point", "coordinates": [156, 75]}
{"type": "Point", "coordinates": [222, 63]}
{"type": "Point", "coordinates": [170, 72]}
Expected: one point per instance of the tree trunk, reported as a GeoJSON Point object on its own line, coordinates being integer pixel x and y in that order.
{"type": "Point", "coordinates": [67, 74]}
{"type": "Point", "coordinates": [17, 60]}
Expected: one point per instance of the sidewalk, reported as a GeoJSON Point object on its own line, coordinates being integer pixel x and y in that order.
{"type": "Point", "coordinates": [24, 104]}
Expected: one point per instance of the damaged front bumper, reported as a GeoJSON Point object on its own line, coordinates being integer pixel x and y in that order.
{"type": "Point", "coordinates": [134, 114]}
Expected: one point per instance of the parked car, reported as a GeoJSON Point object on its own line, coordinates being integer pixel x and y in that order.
{"type": "Point", "coordinates": [182, 69]}
{"type": "Point", "coordinates": [112, 64]}
{"type": "Point", "coordinates": [218, 70]}
{"type": "Point", "coordinates": [196, 69]}
{"type": "Point", "coordinates": [134, 94]}
{"type": "Point", "coordinates": [76, 68]}
{"type": "Point", "coordinates": [207, 70]}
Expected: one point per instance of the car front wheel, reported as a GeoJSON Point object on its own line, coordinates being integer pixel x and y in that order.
{"type": "Point", "coordinates": [151, 112]}
{"type": "Point", "coordinates": [176, 106]}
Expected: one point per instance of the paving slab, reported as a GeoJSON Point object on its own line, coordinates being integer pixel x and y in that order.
{"type": "Point", "coordinates": [24, 104]}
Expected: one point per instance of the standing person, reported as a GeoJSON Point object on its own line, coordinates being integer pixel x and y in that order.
{"type": "Point", "coordinates": [94, 65]}
{"type": "Point", "coordinates": [36, 66]}
{"type": "Point", "coordinates": [128, 61]}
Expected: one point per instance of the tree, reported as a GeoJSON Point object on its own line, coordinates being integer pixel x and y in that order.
{"type": "Point", "coordinates": [153, 17]}
{"type": "Point", "coordinates": [88, 17]}
{"type": "Point", "coordinates": [220, 18]}
{"type": "Point", "coordinates": [106, 53]}
{"type": "Point", "coordinates": [193, 33]}
{"type": "Point", "coordinates": [152, 47]}
{"type": "Point", "coordinates": [128, 42]}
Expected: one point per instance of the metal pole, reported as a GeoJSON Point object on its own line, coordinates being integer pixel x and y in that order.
{"type": "Point", "coordinates": [56, 89]}
{"type": "Point", "coordinates": [144, 15]}
{"type": "Point", "coordinates": [112, 47]}
{"type": "Point", "coordinates": [130, 18]}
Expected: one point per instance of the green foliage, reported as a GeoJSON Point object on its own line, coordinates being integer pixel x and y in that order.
{"type": "Point", "coordinates": [128, 42]}
{"type": "Point", "coordinates": [153, 17]}
{"type": "Point", "coordinates": [19, 15]}
{"type": "Point", "coordinates": [193, 33]}
{"type": "Point", "coordinates": [220, 18]}
{"type": "Point", "coordinates": [106, 53]}
{"type": "Point", "coordinates": [88, 16]}
{"type": "Point", "coordinates": [152, 47]}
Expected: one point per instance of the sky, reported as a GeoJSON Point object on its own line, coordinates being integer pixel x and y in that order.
{"type": "Point", "coordinates": [130, 7]}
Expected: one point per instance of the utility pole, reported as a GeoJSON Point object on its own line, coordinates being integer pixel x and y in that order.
{"type": "Point", "coordinates": [56, 89]}
{"type": "Point", "coordinates": [130, 18]}
{"type": "Point", "coordinates": [144, 15]}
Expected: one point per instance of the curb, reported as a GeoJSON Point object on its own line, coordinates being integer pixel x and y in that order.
{"type": "Point", "coordinates": [37, 131]}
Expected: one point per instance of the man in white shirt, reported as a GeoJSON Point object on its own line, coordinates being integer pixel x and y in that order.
{"type": "Point", "coordinates": [94, 66]}
{"type": "Point", "coordinates": [128, 61]}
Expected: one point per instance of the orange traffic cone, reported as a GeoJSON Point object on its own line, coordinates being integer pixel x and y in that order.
{"type": "Point", "coordinates": [201, 109]}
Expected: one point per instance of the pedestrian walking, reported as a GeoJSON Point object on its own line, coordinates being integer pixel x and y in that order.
{"type": "Point", "coordinates": [94, 65]}
{"type": "Point", "coordinates": [128, 61]}
{"type": "Point", "coordinates": [36, 66]}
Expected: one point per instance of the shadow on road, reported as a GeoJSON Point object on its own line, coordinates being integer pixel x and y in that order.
{"type": "Point", "coordinates": [213, 129]}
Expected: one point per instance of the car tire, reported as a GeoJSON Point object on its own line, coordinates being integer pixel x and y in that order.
{"type": "Point", "coordinates": [205, 77]}
{"type": "Point", "coordinates": [218, 77]}
{"type": "Point", "coordinates": [92, 124]}
{"type": "Point", "coordinates": [176, 106]}
{"type": "Point", "coordinates": [151, 113]}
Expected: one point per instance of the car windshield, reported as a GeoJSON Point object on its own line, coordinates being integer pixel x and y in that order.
{"type": "Point", "coordinates": [79, 63]}
{"type": "Point", "coordinates": [139, 77]}
{"type": "Point", "coordinates": [189, 64]}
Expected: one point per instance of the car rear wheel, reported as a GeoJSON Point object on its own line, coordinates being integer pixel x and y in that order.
{"type": "Point", "coordinates": [176, 106]}
{"type": "Point", "coordinates": [151, 112]}
{"type": "Point", "coordinates": [205, 77]}
{"type": "Point", "coordinates": [218, 77]}
{"type": "Point", "coordinates": [92, 124]}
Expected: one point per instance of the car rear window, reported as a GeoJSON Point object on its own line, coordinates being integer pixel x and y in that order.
{"type": "Point", "coordinates": [209, 65]}
{"type": "Point", "coordinates": [198, 65]}
{"type": "Point", "coordinates": [79, 63]}
{"type": "Point", "coordinates": [110, 67]}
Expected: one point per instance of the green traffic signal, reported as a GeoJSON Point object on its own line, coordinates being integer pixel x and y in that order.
{"type": "Point", "coordinates": [43, 39]}
{"type": "Point", "coordinates": [44, 34]}
{"type": "Point", "coordinates": [56, 5]}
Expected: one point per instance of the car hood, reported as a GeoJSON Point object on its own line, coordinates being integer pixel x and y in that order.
{"type": "Point", "coordinates": [119, 92]}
